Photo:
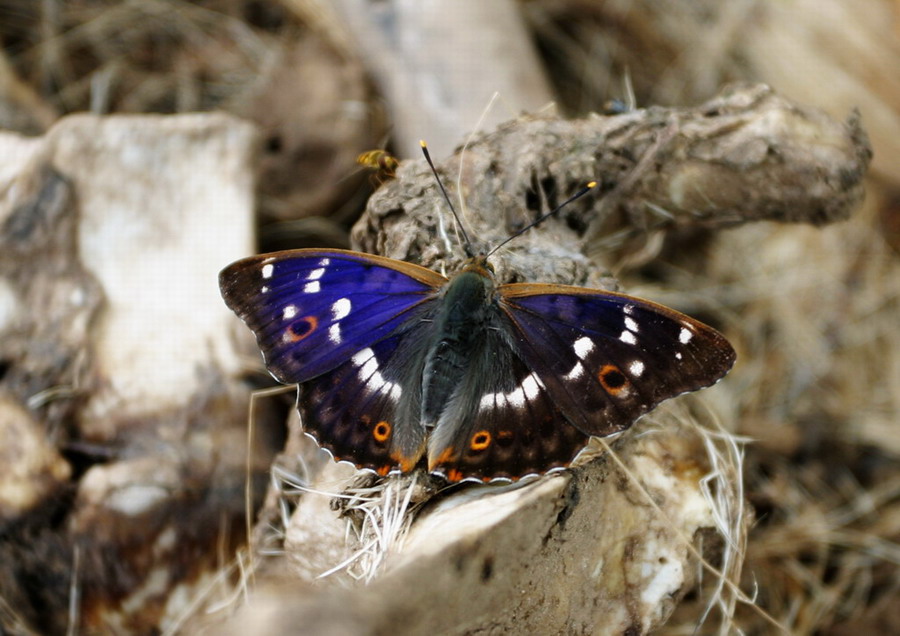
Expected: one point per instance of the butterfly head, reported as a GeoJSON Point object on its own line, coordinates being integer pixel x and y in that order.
{"type": "Point", "coordinates": [480, 265]}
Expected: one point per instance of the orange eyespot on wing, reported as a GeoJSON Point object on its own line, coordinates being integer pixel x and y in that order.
{"type": "Point", "coordinates": [612, 379]}
{"type": "Point", "coordinates": [480, 441]}
{"type": "Point", "coordinates": [302, 328]}
{"type": "Point", "coordinates": [382, 432]}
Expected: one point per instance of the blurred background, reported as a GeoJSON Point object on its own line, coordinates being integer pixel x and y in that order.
{"type": "Point", "coordinates": [814, 312]}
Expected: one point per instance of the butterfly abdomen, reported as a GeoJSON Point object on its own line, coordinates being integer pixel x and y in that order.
{"type": "Point", "coordinates": [459, 329]}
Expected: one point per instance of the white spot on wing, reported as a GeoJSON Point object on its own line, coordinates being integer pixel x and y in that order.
{"type": "Point", "coordinates": [532, 386]}
{"type": "Point", "coordinates": [378, 383]}
{"type": "Point", "coordinates": [265, 289]}
{"type": "Point", "coordinates": [341, 308]}
{"type": "Point", "coordinates": [527, 390]}
{"type": "Point", "coordinates": [325, 262]}
{"type": "Point", "coordinates": [371, 376]}
{"type": "Point", "coordinates": [678, 356]}
{"type": "Point", "coordinates": [312, 288]}
{"type": "Point", "coordinates": [369, 367]}
{"type": "Point", "coordinates": [517, 398]}
{"type": "Point", "coordinates": [636, 368]}
{"type": "Point", "coordinates": [628, 337]}
{"type": "Point", "coordinates": [267, 271]}
{"type": "Point", "coordinates": [583, 346]}
{"type": "Point", "coordinates": [630, 324]}
{"type": "Point", "coordinates": [576, 372]}
{"type": "Point", "coordinates": [334, 333]}
{"type": "Point", "coordinates": [289, 312]}
{"type": "Point", "coordinates": [628, 309]}
{"type": "Point", "coordinates": [316, 274]}
{"type": "Point", "coordinates": [685, 335]}
{"type": "Point", "coordinates": [488, 400]}
{"type": "Point", "coordinates": [362, 357]}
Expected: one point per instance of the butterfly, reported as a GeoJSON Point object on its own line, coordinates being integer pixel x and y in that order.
{"type": "Point", "coordinates": [399, 365]}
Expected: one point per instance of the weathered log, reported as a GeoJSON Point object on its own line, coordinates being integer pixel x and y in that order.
{"type": "Point", "coordinates": [584, 551]}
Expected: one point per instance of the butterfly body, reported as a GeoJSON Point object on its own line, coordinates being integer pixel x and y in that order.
{"type": "Point", "coordinates": [399, 366]}
{"type": "Point", "coordinates": [463, 318]}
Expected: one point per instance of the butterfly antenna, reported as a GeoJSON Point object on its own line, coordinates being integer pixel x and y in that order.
{"type": "Point", "coordinates": [544, 217]}
{"type": "Point", "coordinates": [459, 224]}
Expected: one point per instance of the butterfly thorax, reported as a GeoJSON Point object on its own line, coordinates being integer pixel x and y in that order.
{"type": "Point", "coordinates": [479, 265]}
{"type": "Point", "coordinates": [460, 326]}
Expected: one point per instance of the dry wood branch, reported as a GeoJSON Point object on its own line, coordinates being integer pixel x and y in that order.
{"type": "Point", "coordinates": [578, 552]}
{"type": "Point", "coordinates": [563, 553]}
{"type": "Point", "coordinates": [746, 155]}
{"type": "Point", "coordinates": [428, 59]}
{"type": "Point", "coordinates": [125, 437]}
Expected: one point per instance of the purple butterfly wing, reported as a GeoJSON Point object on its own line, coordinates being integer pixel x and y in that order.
{"type": "Point", "coordinates": [606, 358]}
{"type": "Point", "coordinates": [512, 429]}
{"type": "Point", "coordinates": [365, 410]}
{"type": "Point", "coordinates": [312, 310]}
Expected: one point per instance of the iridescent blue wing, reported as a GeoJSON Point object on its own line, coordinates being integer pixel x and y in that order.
{"type": "Point", "coordinates": [366, 410]}
{"type": "Point", "coordinates": [312, 310]}
{"type": "Point", "coordinates": [606, 358]}
{"type": "Point", "coordinates": [350, 328]}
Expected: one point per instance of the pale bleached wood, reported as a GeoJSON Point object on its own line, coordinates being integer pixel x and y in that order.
{"type": "Point", "coordinates": [437, 64]}
{"type": "Point", "coordinates": [120, 362]}
{"type": "Point", "coordinates": [582, 551]}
